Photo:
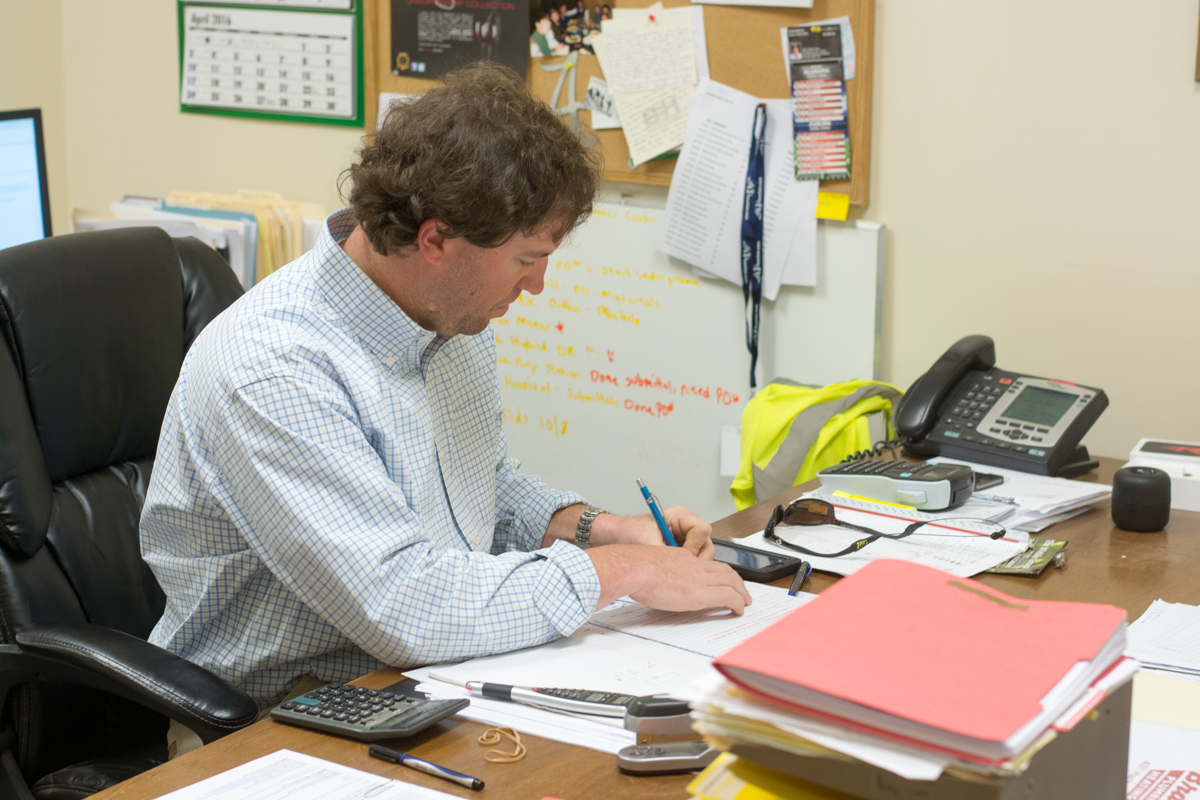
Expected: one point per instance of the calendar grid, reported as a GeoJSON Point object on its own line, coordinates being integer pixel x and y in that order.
{"type": "Point", "coordinates": [267, 63]}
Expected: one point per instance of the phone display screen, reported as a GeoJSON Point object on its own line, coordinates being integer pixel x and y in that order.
{"type": "Point", "coordinates": [1040, 406]}
{"type": "Point", "coordinates": [747, 558]}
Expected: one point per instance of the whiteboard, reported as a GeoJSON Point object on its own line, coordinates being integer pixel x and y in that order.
{"type": "Point", "coordinates": [628, 366]}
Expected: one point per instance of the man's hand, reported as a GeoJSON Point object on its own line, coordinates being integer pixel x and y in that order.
{"type": "Point", "coordinates": [690, 531]}
{"type": "Point", "coordinates": [686, 526]}
{"type": "Point", "coordinates": [667, 578]}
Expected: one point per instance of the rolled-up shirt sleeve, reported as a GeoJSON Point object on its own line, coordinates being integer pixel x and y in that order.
{"type": "Point", "coordinates": [307, 489]}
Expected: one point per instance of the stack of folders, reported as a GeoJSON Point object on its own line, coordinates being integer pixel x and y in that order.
{"type": "Point", "coordinates": [256, 232]}
{"type": "Point", "coordinates": [917, 672]}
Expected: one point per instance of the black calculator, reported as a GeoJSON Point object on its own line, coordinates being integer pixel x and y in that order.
{"type": "Point", "coordinates": [365, 714]}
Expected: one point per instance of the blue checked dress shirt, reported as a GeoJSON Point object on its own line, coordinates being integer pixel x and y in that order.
{"type": "Point", "coordinates": [331, 493]}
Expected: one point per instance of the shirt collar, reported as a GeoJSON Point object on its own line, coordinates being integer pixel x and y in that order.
{"type": "Point", "coordinates": [369, 313]}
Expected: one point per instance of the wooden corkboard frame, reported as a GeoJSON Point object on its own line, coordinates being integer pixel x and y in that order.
{"type": "Point", "coordinates": [744, 52]}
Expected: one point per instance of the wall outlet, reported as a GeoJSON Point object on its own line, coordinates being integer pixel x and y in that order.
{"type": "Point", "coordinates": [731, 450]}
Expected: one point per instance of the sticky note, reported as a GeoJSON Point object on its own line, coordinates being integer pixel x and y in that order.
{"type": "Point", "coordinates": [832, 205]}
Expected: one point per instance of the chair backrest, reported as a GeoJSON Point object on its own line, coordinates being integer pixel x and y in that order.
{"type": "Point", "coordinates": [94, 327]}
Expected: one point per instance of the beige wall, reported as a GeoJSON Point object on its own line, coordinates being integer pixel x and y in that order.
{"type": "Point", "coordinates": [1037, 165]}
{"type": "Point", "coordinates": [126, 133]}
{"type": "Point", "coordinates": [31, 76]}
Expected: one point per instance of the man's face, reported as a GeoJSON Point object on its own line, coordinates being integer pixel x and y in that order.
{"type": "Point", "coordinates": [480, 283]}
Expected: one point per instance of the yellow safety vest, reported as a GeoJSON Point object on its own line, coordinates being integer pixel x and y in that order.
{"type": "Point", "coordinates": [792, 432]}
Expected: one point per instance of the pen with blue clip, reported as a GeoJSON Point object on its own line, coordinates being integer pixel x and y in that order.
{"type": "Point", "coordinates": [421, 765]}
{"type": "Point", "coordinates": [658, 516]}
{"type": "Point", "coordinates": [802, 573]}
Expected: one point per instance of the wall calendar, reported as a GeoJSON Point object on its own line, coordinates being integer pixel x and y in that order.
{"type": "Point", "coordinates": [298, 60]}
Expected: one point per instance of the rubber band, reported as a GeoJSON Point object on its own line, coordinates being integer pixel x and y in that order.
{"type": "Point", "coordinates": [496, 755]}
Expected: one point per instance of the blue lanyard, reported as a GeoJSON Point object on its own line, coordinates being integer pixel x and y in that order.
{"type": "Point", "coordinates": [752, 234]}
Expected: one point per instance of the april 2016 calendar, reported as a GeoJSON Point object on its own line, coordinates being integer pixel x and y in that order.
{"type": "Point", "coordinates": [270, 62]}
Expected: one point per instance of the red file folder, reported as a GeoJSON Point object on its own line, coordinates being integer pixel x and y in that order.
{"type": "Point", "coordinates": [918, 653]}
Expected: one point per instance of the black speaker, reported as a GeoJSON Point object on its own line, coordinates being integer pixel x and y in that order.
{"type": "Point", "coordinates": [1141, 499]}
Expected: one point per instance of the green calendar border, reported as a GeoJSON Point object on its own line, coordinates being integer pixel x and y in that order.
{"type": "Point", "coordinates": [359, 118]}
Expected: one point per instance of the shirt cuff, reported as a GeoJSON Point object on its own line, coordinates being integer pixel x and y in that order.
{"type": "Point", "coordinates": [568, 589]}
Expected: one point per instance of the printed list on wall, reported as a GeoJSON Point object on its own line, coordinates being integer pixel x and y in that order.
{"type": "Point", "coordinates": [626, 366]}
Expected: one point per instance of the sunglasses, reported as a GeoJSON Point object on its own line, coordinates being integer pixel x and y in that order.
{"type": "Point", "coordinates": [809, 512]}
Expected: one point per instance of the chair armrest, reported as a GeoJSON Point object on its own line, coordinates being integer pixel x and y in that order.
{"type": "Point", "coordinates": [115, 662]}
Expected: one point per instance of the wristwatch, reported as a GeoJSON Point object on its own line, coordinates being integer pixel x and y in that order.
{"type": "Point", "coordinates": [583, 531]}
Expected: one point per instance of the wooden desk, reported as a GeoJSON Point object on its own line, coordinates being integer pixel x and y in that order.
{"type": "Point", "coordinates": [1104, 565]}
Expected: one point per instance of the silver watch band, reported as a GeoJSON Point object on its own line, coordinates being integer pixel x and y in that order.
{"type": "Point", "coordinates": [583, 531]}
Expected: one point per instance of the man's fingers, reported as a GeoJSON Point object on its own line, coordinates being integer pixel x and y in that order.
{"type": "Point", "coordinates": [731, 599]}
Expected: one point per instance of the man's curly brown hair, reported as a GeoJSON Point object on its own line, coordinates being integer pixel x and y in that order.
{"type": "Point", "coordinates": [482, 156]}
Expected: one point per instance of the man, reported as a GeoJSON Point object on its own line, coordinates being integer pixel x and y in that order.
{"type": "Point", "coordinates": [331, 491]}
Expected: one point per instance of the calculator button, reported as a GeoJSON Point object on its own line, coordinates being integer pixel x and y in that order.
{"type": "Point", "coordinates": [1043, 430]}
{"type": "Point", "coordinates": [1036, 438]}
{"type": "Point", "coordinates": [968, 438]}
{"type": "Point", "coordinates": [970, 395]}
{"type": "Point", "coordinates": [1027, 427]}
{"type": "Point", "coordinates": [1019, 448]}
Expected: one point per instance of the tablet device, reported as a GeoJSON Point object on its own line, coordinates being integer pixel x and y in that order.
{"type": "Point", "coordinates": [755, 565]}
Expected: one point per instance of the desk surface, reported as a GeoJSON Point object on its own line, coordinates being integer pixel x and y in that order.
{"type": "Point", "coordinates": [1104, 564]}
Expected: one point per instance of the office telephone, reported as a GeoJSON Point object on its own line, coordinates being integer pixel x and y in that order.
{"type": "Point", "coordinates": [965, 407]}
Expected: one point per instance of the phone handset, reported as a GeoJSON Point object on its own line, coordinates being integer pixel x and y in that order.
{"type": "Point", "coordinates": [918, 410]}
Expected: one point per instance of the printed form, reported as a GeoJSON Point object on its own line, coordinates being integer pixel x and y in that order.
{"type": "Point", "coordinates": [703, 214]}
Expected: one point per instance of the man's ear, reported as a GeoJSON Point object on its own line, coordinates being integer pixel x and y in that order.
{"type": "Point", "coordinates": [432, 244]}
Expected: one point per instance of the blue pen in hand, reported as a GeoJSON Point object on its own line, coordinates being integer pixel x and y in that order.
{"type": "Point", "coordinates": [658, 516]}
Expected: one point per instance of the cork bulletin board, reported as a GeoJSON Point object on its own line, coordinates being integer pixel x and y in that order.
{"type": "Point", "coordinates": [743, 52]}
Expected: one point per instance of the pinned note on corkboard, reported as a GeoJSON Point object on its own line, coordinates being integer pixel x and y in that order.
{"type": "Point", "coordinates": [744, 52]}
{"type": "Point", "coordinates": [628, 366]}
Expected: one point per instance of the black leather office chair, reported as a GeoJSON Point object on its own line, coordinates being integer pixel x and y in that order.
{"type": "Point", "coordinates": [94, 329]}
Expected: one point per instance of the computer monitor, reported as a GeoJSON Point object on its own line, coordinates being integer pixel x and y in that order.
{"type": "Point", "coordinates": [24, 195]}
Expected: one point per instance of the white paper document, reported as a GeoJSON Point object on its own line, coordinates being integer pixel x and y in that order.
{"type": "Point", "coordinates": [1034, 497]}
{"type": "Point", "coordinates": [958, 550]}
{"type": "Point", "coordinates": [652, 59]}
{"type": "Point", "coordinates": [641, 653]}
{"type": "Point", "coordinates": [709, 632]}
{"type": "Point", "coordinates": [600, 102]}
{"type": "Point", "coordinates": [640, 54]}
{"type": "Point", "coordinates": [1167, 636]}
{"type": "Point", "coordinates": [654, 121]}
{"type": "Point", "coordinates": [703, 214]}
{"type": "Point", "coordinates": [287, 775]}
{"type": "Point", "coordinates": [603, 734]}
{"type": "Point", "coordinates": [767, 3]}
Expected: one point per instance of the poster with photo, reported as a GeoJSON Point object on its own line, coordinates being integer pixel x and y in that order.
{"type": "Point", "coordinates": [433, 37]}
{"type": "Point", "coordinates": [558, 27]}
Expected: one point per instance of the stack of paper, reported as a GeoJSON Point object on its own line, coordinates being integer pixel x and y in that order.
{"type": "Point", "coordinates": [901, 678]}
{"type": "Point", "coordinates": [703, 214]}
{"type": "Point", "coordinates": [1166, 639]}
{"type": "Point", "coordinates": [970, 551]}
{"type": "Point", "coordinates": [626, 648]}
{"type": "Point", "coordinates": [1037, 501]}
